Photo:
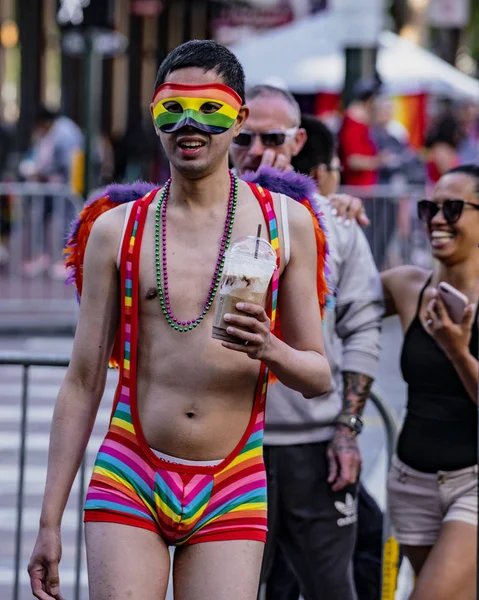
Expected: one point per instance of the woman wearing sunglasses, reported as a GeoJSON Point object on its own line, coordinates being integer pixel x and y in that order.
{"type": "Point", "coordinates": [432, 485]}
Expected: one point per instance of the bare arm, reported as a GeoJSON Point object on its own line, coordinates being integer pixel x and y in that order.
{"type": "Point", "coordinates": [299, 362]}
{"type": "Point", "coordinates": [79, 397]}
{"type": "Point", "coordinates": [401, 288]}
{"type": "Point", "coordinates": [387, 281]}
{"type": "Point", "coordinates": [356, 388]}
{"type": "Point", "coordinates": [344, 455]}
{"type": "Point", "coordinates": [360, 162]}
{"type": "Point", "coordinates": [467, 368]}
{"type": "Point", "coordinates": [84, 383]}
{"type": "Point", "coordinates": [359, 308]}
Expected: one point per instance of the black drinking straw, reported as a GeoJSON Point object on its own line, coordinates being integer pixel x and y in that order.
{"type": "Point", "coordinates": [258, 235]}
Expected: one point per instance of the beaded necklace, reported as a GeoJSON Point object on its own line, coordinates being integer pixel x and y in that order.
{"type": "Point", "coordinates": [161, 258]}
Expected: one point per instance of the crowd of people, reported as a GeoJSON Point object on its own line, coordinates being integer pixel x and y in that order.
{"type": "Point", "coordinates": [55, 156]}
{"type": "Point", "coordinates": [373, 147]}
{"type": "Point", "coordinates": [192, 451]}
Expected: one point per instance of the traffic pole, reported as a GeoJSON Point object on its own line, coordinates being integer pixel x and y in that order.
{"type": "Point", "coordinates": [92, 106]}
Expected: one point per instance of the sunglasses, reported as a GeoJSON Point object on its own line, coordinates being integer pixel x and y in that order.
{"type": "Point", "coordinates": [451, 209]}
{"type": "Point", "coordinates": [334, 168]}
{"type": "Point", "coordinates": [269, 139]}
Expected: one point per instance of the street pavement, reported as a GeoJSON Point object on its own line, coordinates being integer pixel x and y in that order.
{"type": "Point", "coordinates": [44, 383]}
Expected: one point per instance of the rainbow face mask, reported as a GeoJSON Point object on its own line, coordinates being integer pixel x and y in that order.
{"type": "Point", "coordinates": [211, 108]}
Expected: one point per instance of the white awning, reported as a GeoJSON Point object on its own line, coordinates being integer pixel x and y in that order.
{"type": "Point", "coordinates": [306, 56]}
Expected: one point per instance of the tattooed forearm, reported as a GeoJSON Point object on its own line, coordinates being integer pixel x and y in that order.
{"type": "Point", "coordinates": [356, 388]}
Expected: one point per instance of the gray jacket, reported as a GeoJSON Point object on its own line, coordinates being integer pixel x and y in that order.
{"type": "Point", "coordinates": [351, 330]}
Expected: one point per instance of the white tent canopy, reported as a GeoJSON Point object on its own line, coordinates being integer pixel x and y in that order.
{"type": "Point", "coordinates": [308, 59]}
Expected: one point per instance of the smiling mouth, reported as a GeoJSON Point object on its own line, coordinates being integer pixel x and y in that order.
{"type": "Point", "coordinates": [439, 238]}
{"type": "Point", "coordinates": [191, 144]}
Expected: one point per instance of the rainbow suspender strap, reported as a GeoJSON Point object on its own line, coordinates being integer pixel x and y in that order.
{"type": "Point", "coordinates": [266, 202]}
{"type": "Point", "coordinates": [129, 276]}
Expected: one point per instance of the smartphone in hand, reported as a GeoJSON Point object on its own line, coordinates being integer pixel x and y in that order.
{"type": "Point", "coordinates": [454, 301]}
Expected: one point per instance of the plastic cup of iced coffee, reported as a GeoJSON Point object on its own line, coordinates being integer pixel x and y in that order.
{"type": "Point", "coordinates": [249, 266]}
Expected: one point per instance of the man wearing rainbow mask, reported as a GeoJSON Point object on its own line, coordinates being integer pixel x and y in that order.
{"type": "Point", "coordinates": [209, 108]}
{"type": "Point", "coordinates": [181, 464]}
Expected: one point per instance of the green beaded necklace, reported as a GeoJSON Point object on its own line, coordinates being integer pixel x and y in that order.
{"type": "Point", "coordinates": [161, 258]}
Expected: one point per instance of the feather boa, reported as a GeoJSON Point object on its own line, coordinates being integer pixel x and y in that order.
{"type": "Point", "coordinates": [80, 228]}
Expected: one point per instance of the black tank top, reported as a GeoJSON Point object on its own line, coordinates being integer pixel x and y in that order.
{"type": "Point", "coordinates": [440, 429]}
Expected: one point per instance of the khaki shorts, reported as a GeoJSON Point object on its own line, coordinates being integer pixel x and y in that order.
{"type": "Point", "coordinates": [420, 502]}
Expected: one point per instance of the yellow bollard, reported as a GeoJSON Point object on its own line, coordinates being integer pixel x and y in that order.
{"type": "Point", "coordinates": [77, 172]}
{"type": "Point", "coordinates": [390, 569]}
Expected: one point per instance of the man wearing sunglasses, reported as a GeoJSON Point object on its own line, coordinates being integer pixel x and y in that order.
{"type": "Point", "coordinates": [270, 138]}
{"type": "Point", "coordinates": [311, 452]}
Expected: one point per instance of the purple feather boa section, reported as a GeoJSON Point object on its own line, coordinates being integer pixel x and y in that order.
{"type": "Point", "coordinates": [289, 183]}
{"type": "Point", "coordinates": [129, 193]}
{"type": "Point", "coordinates": [118, 193]}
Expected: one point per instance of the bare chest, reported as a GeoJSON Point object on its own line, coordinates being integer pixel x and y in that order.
{"type": "Point", "coordinates": [191, 268]}
{"type": "Point", "coordinates": [195, 359]}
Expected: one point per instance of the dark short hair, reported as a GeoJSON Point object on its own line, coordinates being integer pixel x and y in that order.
{"type": "Point", "coordinates": [209, 56]}
{"type": "Point", "coordinates": [365, 89]}
{"type": "Point", "coordinates": [470, 170]}
{"type": "Point", "coordinates": [44, 114]}
{"type": "Point", "coordinates": [446, 131]}
{"type": "Point", "coordinates": [319, 147]}
{"type": "Point", "coordinates": [266, 90]}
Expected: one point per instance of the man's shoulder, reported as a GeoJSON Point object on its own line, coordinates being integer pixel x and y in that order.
{"type": "Point", "coordinates": [406, 276]}
{"type": "Point", "coordinates": [404, 283]}
{"type": "Point", "coordinates": [297, 211]}
{"type": "Point", "coordinates": [298, 215]}
{"type": "Point", "coordinates": [114, 218]}
{"type": "Point", "coordinates": [110, 223]}
{"type": "Point", "coordinates": [289, 183]}
{"type": "Point", "coordinates": [294, 187]}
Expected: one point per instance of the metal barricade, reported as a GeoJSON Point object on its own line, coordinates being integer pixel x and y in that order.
{"type": "Point", "coordinates": [26, 362]}
{"type": "Point", "coordinates": [34, 220]}
{"type": "Point", "coordinates": [395, 234]}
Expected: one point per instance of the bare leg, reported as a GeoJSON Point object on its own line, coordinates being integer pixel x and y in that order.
{"type": "Point", "coordinates": [449, 572]}
{"type": "Point", "coordinates": [218, 570]}
{"type": "Point", "coordinates": [417, 556]}
{"type": "Point", "coordinates": [126, 562]}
